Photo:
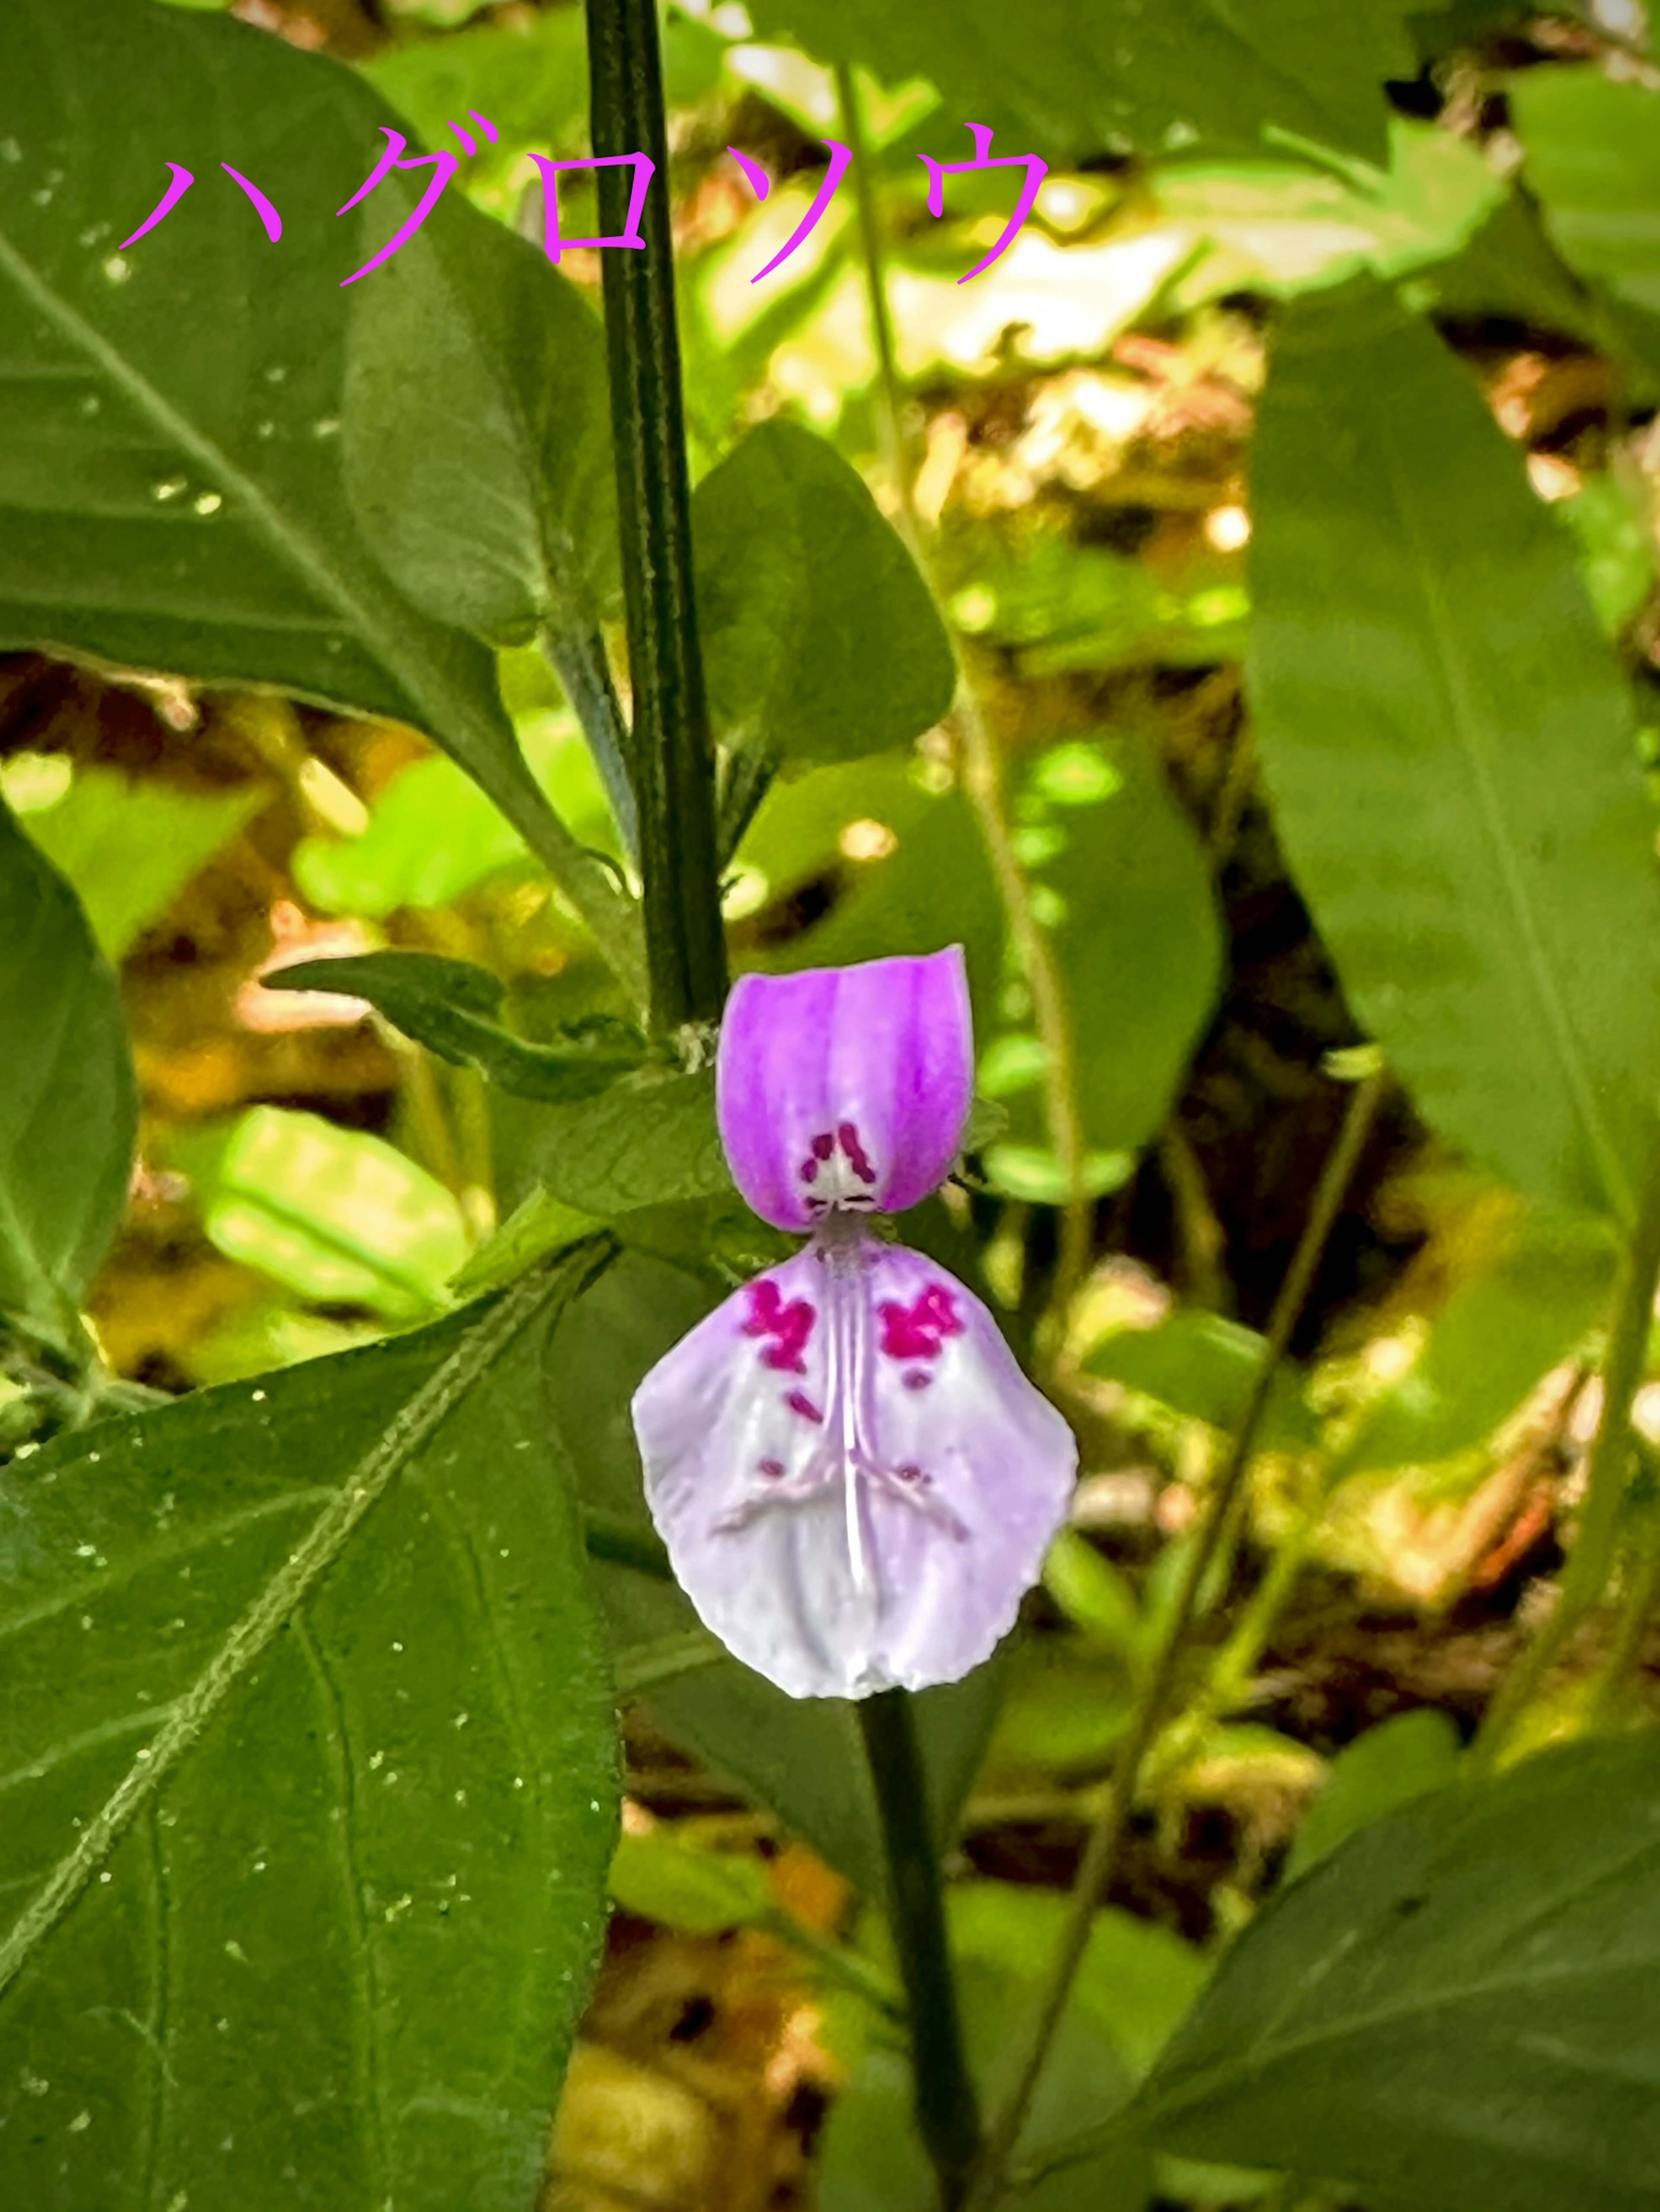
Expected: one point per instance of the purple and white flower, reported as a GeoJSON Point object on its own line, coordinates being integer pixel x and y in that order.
{"type": "Point", "coordinates": [855, 1482]}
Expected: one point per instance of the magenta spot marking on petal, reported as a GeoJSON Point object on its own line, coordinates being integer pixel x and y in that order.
{"type": "Point", "coordinates": [823, 1145]}
{"type": "Point", "coordinates": [799, 1402]}
{"type": "Point", "coordinates": [917, 1378]}
{"type": "Point", "coordinates": [787, 1326]}
{"type": "Point", "coordinates": [858, 1157]}
{"type": "Point", "coordinates": [809, 1171]}
{"type": "Point", "coordinates": [772, 1468]}
{"type": "Point", "coordinates": [914, 1332]}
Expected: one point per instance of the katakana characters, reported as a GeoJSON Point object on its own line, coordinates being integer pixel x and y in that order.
{"type": "Point", "coordinates": [553, 245]}
{"type": "Point", "coordinates": [180, 183]}
{"type": "Point", "coordinates": [761, 185]}
{"type": "Point", "coordinates": [1035, 168]}
{"type": "Point", "coordinates": [443, 163]}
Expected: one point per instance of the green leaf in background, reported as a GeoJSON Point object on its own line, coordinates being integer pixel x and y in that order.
{"type": "Point", "coordinates": [1460, 2007]}
{"type": "Point", "coordinates": [311, 1788]}
{"type": "Point", "coordinates": [1281, 228]}
{"type": "Point", "coordinates": [340, 1216]}
{"type": "Point", "coordinates": [649, 1140]}
{"type": "Point", "coordinates": [478, 432]}
{"type": "Point", "coordinates": [1401, 1759]}
{"type": "Point", "coordinates": [663, 1878]}
{"type": "Point", "coordinates": [529, 76]}
{"type": "Point", "coordinates": [1612, 521]}
{"type": "Point", "coordinates": [446, 1005]}
{"type": "Point", "coordinates": [1519, 1310]}
{"type": "Point", "coordinates": [1593, 158]}
{"type": "Point", "coordinates": [128, 848]}
{"type": "Point", "coordinates": [1447, 741]}
{"type": "Point", "coordinates": [69, 1108]}
{"type": "Point", "coordinates": [819, 635]}
{"type": "Point", "coordinates": [1202, 1365]}
{"type": "Point", "coordinates": [1072, 81]}
{"type": "Point", "coordinates": [803, 1759]}
{"type": "Point", "coordinates": [170, 480]}
{"type": "Point", "coordinates": [1122, 888]}
{"type": "Point", "coordinates": [432, 835]}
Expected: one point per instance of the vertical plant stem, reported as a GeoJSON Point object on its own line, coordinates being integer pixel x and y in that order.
{"type": "Point", "coordinates": [1102, 1854]}
{"type": "Point", "coordinates": [982, 780]}
{"type": "Point", "coordinates": [1591, 1560]}
{"type": "Point", "coordinates": [947, 2114]}
{"type": "Point", "coordinates": [671, 754]}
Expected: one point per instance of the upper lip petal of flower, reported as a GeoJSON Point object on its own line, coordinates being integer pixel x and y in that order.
{"type": "Point", "coordinates": [845, 1088]}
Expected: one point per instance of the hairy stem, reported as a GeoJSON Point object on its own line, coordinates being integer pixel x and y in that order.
{"type": "Point", "coordinates": [1102, 1854]}
{"type": "Point", "coordinates": [671, 754]}
{"type": "Point", "coordinates": [1590, 1563]}
{"type": "Point", "coordinates": [947, 2114]}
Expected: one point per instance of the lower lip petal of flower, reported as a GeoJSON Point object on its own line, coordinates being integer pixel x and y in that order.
{"type": "Point", "coordinates": [855, 1482]}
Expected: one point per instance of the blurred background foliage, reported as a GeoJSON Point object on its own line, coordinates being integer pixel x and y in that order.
{"type": "Point", "coordinates": [1078, 423]}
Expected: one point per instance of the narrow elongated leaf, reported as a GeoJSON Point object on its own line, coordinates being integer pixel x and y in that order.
{"type": "Point", "coordinates": [308, 1775]}
{"type": "Point", "coordinates": [68, 1110]}
{"type": "Point", "coordinates": [1447, 737]}
{"type": "Point", "coordinates": [1073, 78]}
{"type": "Point", "coordinates": [1593, 150]}
{"type": "Point", "coordinates": [1461, 2006]}
{"type": "Point", "coordinates": [170, 479]}
{"type": "Point", "coordinates": [820, 636]}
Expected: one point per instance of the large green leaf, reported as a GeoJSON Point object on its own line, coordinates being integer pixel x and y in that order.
{"type": "Point", "coordinates": [484, 483]}
{"type": "Point", "coordinates": [1593, 150]}
{"type": "Point", "coordinates": [803, 1758]}
{"type": "Point", "coordinates": [1073, 76]}
{"type": "Point", "coordinates": [820, 636]}
{"type": "Point", "coordinates": [309, 1787]}
{"type": "Point", "coordinates": [68, 1110]}
{"type": "Point", "coordinates": [170, 478]}
{"type": "Point", "coordinates": [1460, 2007]}
{"type": "Point", "coordinates": [1447, 737]}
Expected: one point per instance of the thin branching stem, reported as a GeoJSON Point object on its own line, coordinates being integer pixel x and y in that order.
{"type": "Point", "coordinates": [1103, 1853]}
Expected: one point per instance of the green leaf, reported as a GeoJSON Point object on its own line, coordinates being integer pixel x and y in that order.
{"type": "Point", "coordinates": [69, 1107]}
{"type": "Point", "coordinates": [340, 1216]}
{"type": "Point", "coordinates": [701, 1893]}
{"type": "Point", "coordinates": [1593, 158]}
{"type": "Point", "coordinates": [1121, 883]}
{"type": "Point", "coordinates": [311, 1788]}
{"type": "Point", "coordinates": [529, 76]}
{"type": "Point", "coordinates": [1281, 228]}
{"type": "Point", "coordinates": [128, 848]}
{"type": "Point", "coordinates": [1071, 81]}
{"type": "Point", "coordinates": [1461, 2006]}
{"type": "Point", "coordinates": [1202, 1365]}
{"type": "Point", "coordinates": [820, 637]}
{"type": "Point", "coordinates": [649, 1140]}
{"type": "Point", "coordinates": [803, 1759]}
{"type": "Point", "coordinates": [1447, 739]}
{"type": "Point", "coordinates": [484, 480]}
{"type": "Point", "coordinates": [1521, 1308]}
{"type": "Point", "coordinates": [443, 1004]}
{"type": "Point", "coordinates": [180, 506]}
{"type": "Point", "coordinates": [1386, 1768]}
{"type": "Point", "coordinates": [432, 835]}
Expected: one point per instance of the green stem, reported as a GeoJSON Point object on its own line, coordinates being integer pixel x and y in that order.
{"type": "Point", "coordinates": [1591, 1560]}
{"type": "Point", "coordinates": [672, 756]}
{"type": "Point", "coordinates": [981, 779]}
{"type": "Point", "coordinates": [1101, 1856]}
{"type": "Point", "coordinates": [576, 654]}
{"type": "Point", "coordinates": [947, 2114]}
